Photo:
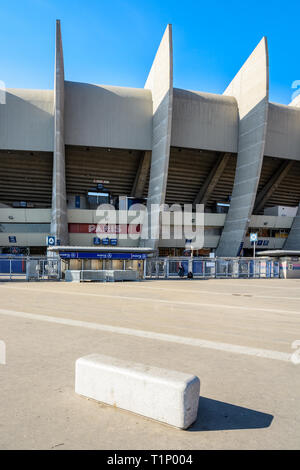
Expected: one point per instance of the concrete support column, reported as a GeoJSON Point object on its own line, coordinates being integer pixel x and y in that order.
{"type": "Point", "coordinates": [59, 221]}
{"type": "Point", "coordinates": [160, 82]}
{"type": "Point", "coordinates": [250, 87]}
{"type": "Point", "coordinates": [141, 175]}
{"type": "Point", "coordinates": [293, 239]}
{"type": "Point", "coordinates": [212, 180]}
{"type": "Point", "coordinates": [272, 185]}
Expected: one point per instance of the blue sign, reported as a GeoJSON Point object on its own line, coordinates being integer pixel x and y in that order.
{"type": "Point", "coordinates": [51, 241]}
{"type": "Point", "coordinates": [253, 237]}
{"type": "Point", "coordinates": [96, 241]}
{"type": "Point", "coordinates": [96, 255]}
{"type": "Point", "coordinates": [105, 241]}
{"type": "Point", "coordinates": [113, 241]}
{"type": "Point", "coordinates": [12, 239]}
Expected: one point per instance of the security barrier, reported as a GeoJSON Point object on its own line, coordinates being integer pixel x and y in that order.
{"type": "Point", "coordinates": [206, 268]}
{"type": "Point", "coordinates": [25, 268]}
{"type": "Point", "coordinates": [12, 268]}
{"type": "Point", "coordinates": [154, 268]}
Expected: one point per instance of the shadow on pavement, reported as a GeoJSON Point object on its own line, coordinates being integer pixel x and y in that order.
{"type": "Point", "coordinates": [216, 415]}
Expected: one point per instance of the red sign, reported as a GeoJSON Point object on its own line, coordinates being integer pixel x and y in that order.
{"type": "Point", "coordinates": [105, 228]}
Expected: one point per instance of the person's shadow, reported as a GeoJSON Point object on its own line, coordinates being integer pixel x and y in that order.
{"type": "Point", "coordinates": [216, 415]}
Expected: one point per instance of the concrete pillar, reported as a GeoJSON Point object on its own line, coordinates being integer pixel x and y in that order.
{"type": "Point", "coordinates": [212, 180]}
{"type": "Point", "coordinates": [250, 87]}
{"type": "Point", "coordinates": [141, 175]}
{"type": "Point", "coordinates": [160, 82]}
{"type": "Point", "coordinates": [293, 239]}
{"type": "Point", "coordinates": [272, 185]}
{"type": "Point", "coordinates": [59, 222]}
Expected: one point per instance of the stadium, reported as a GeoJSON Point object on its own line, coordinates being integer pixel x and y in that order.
{"type": "Point", "coordinates": [65, 151]}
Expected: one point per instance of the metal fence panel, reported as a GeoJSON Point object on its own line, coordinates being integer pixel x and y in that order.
{"type": "Point", "coordinates": [43, 269]}
{"type": "Point", "coordinates": [242, 268]}
{"type": "Point", "coordinates": [155, 268]}
{"type": "Point", "coordinates": [29, 268]}
{"type": "Point", "coordinates": [12, 268]}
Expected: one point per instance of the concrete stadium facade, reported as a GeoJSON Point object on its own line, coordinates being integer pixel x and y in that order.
{"type": "Point", "coordinates": [169, 145]}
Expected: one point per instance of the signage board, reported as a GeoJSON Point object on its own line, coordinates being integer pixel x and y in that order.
{"type": "Point", "coordinates": [51, 240]}
{"type": "Point", "coordinates": [96, 255]}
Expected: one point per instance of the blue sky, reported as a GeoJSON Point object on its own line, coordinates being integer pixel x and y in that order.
{"type": "Point", "coordinates": [114, 42]}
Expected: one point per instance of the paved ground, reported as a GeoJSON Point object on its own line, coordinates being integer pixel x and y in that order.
{"type": "Point", "coordinates": [236, 335]}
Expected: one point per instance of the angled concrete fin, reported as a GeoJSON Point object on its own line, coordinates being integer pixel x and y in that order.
{"type": "Point", "coordinates": [250, 87]}
{"type": "Point", "coordinates": [59, 222]}
{"type": "Point", "coordinates": [160, 82]}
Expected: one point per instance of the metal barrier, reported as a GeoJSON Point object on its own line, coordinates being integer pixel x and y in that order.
{"type": "Point", "coordinates": [43, 269]}
{"type": "Point", "coordinates": [13, 268]}
{"type": "Point", "coordinates": [212, 268]}
{"type": "Point", "coordinates": [154, 268]}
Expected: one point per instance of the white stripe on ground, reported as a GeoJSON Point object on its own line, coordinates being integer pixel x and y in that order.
{"type": "Point", "coordinates": [263, 285]}
{"type": "Point", "coordinates": [213, 292]}
{"type": "Point", "coordinates": [201, 343]}
{"type": "Point", "coordinates": [162, 301]}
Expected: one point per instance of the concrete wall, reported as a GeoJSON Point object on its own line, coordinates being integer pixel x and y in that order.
{"type": "Point", "coordinates": [293, 240]}
{"type": "Point", "coordinates": [250, 87]}
{"type": "Point", "coordinates": [271, 221]}
{"type": "Point", "coordinates": [273, 243]}
{"type": "Point", "coordinates": [24, 239]}
{"type": "Point", "coordinates": [26, 120]}
{"type": "Point", "coordinates": [160, 82]}
{"type": "Point", "coordinates": [107, 116]}
{"type": "Point", "coordinates": [31, 224]}
{"type": "Point", "coordinates": [283, 136]}
{"type": "Point", "coordinates": [87, 216]}
{"type": "Point", "coordinates": [14, 216]}
{"type": "Point", "coordinates": [204, 121]}
{"type": "Point", "coordinates": [199, 120]}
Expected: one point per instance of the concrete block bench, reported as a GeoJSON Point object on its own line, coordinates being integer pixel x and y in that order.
{"type": "Point", "coordinates": [105, 275]}
{"type": "Point", "coordinates": [164, 395]}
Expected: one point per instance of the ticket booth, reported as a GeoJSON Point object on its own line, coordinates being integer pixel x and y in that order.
{"type": "Point", "coordinates": [119, 263]}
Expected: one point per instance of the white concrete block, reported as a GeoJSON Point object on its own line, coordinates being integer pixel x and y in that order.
{"type": "Point", "coordinates": [164, 395]}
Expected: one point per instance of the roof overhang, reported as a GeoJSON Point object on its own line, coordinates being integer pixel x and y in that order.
{"type": "Point", "coordinates": [102, 249]}
{"type": "Point", "coordinates": [279, 253]}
